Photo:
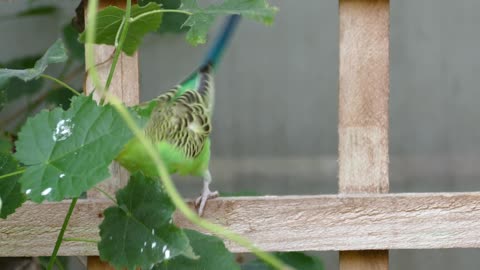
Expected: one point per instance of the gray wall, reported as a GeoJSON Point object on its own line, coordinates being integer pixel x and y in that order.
{"type": "Point", "coordinates": [275, 125]}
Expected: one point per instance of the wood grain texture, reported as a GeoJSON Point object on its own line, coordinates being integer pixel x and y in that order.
{"type": "Point", "coordinates": [286, 223]}
{"type": "Point", "coordinates": [363, 110]}
{"type": "Point", "coordinates": [363, 96]}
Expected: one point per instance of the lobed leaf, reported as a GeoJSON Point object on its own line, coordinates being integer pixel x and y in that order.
{"type": "Point", "coordinates": [110, 18]}
{"type": "Point", "coordinates": [68, 152]}
{"type": "Point", "coordinates": [212, 251]}
{"type": "Point", "coordinates": [10, 195]}
{"type": "Point", "coordinates": [138, 231]}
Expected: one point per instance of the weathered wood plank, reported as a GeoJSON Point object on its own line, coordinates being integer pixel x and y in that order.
{"type": "Point", "coordinates": [363, 96]}
{"type": "Point", "coordinates": [327, 222]}
{"type": "Point", "coordinates": [363, 110]}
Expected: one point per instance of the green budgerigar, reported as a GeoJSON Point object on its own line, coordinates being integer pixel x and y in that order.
{"type": "Point", "coordinates": [180, 123]}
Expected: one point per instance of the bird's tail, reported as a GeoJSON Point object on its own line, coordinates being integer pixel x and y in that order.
{"type": "Point", "coordinates": [221, 42]}
{"type": "Point", "coordinates": [215, 52]}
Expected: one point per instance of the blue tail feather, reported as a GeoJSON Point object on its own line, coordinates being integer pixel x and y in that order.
{"type": "Point", "coordinates": [221, 41]}
{"type": "Point", "coordinates": [215, 52]}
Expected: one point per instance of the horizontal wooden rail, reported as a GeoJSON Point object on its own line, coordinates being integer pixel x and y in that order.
{"type": "Point", "coordinates": [324, 222]}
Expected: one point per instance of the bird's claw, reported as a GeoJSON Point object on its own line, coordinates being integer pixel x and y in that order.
{"type": "Point", "coordinates": [202, 200]}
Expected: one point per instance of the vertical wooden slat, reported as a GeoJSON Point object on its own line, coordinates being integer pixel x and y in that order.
{"type": "Point", "coordinates": [125, 85]}
{"type": "Point", "coordinates": [363, 110]}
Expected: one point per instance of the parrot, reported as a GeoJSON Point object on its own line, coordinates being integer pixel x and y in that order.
{"type": "Point", "coordinates": [180, 122]}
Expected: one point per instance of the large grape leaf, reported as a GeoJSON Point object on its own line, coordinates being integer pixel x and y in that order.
{"type": "Point", "coordinates": [138, 231]}
{"type": "Point", "coordinates": [202, 18]}
{"type": "Point", "coordinates": [298, 260]}
{"type": "Point", "coordinates": [68, 152]}
{"type": "Point", "coordinates": [199, 22]}
{"type": "Point", "coordinates": [212, 251]}
{"type": "Point", "coordinates": [55, 54]}
{"type": "Point", "coordinates": [10, 195]}
{"type": "Point", "coordinates": [110, 18]}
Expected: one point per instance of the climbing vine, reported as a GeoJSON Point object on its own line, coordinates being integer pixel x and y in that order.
{"type": "Point", "coordinates": [65, 150]}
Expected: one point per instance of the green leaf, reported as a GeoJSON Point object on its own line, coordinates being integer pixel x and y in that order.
{"type": "Point", "coordinates": [212, 251]}
{"type": "Point", "coordinates": [171, 22]}
{"type": "Point", "coordinates": [38, 11]}
{"type": "Point", "coordinates": [68, 152]}
{"type": "Point", "coordinates": [298, 260]}
{"type": "Point", "coordinates": [110, 18]}
{"type": "Point", "coordinates": [202, 18]}
{"type": "Point", "coordinates": [55, 54]}
{"type": "Point", "coordinates": [10, 195]}
{"type": "Point", "coordinates": [138, 231]}
{"type": "Point", "coordinates": [75, 48]}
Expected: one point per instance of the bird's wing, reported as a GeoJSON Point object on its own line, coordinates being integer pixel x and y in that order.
{"type": "Point", "coordinates": [183, 121]}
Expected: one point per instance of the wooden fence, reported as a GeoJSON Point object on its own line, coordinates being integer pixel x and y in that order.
{"type": "Point", "coordinates": [362, 222]}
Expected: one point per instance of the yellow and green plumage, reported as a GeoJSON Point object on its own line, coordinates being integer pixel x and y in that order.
{"type": "Point", "coordinates": [179, 126]}
{"type": "Point", "coordinates": [180, 123]}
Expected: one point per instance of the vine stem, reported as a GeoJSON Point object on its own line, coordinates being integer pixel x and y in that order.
{"type": "Point", "coordinates": [149, 148]}
{"type": "Point", "coordinates": [160, 11]}
{"type": "Point", "coordinates": [119, 40]}
{"type": "Point", "coordinates": [60, 83]}
{"type": "Point", "coordinates": [60, 235]}
{"type": "Point", "coordinates": [12, 173]}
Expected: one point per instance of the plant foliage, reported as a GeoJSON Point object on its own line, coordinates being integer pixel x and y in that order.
{"type": "Point", "coordinates": [140, 227]}
{"type": "Point", "coordinates": [68, 152]}
{"type": "Point", "coordinates": [65, 151]}
{"type": "Point", "coordinates": [10, 196]}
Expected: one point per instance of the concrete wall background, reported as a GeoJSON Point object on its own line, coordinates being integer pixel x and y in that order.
{"type": "Point", "coordinates": [276, 113]}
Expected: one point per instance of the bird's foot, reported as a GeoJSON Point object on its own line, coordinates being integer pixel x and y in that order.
{"type": "Point", "coordinates": [202, 200]}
